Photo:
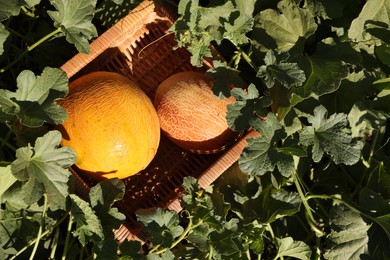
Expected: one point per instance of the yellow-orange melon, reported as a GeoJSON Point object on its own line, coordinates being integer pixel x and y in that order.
{"type": "Point", "coordinates": [191, 115]}
{"type": "Point", "coordinates": [112, 125]}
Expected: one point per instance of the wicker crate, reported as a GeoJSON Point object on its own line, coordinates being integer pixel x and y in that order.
{"type": "Point", "coordinates": [140, 47]}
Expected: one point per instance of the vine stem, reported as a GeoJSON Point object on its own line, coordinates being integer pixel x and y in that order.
{"type": "Point", "coordinates": [308, 210]}
{"type": "Point", "coordinates": [271, 231]}
{"type": "Point", "coordinates": [45, 233]}
{"type": "Point", "coordinates": [55, 243]}
{"type": "Point", "coordinates": [248, 59]}
{"type": "Point", "coordinates": [341, 201]}
{"type": "Point", "coordinates": [66, 245]}
{"type": "Point", "coordinates": [4, 142]}
{"type": "Point", "coordinates": [30, 48]}
{"type": "Point", "coordinates": [42, 224]}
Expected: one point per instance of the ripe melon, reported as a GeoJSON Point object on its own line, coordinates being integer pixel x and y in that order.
{"type": "Point", "coordinates": [191, 115]}
{"type": "Point", "coordinates": [112, 125]}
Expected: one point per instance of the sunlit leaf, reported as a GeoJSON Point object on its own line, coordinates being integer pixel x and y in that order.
{"type": "Point", "coordinates": [74, 17]}
{"type": "Point", "coordinates": [3, 36]}
{"type": "Point", "coordinates": [6, 179]}
{"type": "Point", "coordinates": [34, 100]}
{"type": "Point", "coordinates": [88, 226]}
{"type": "Point", "coordinates": [44, 168]}
{"type": "Point", "coordinates": [102, 196]}
{"type": "Point", "coordinates": [162, 225]}
{"type": "Point", "coordinates": [348, 238]}
{"type": "Point", "coordinates": [327, 135]}
{"type": "Point", "coordinates": [375, 10]}
{"type": "Point", "coordinates": [9, 8]}
{"type": "Point", "coordinates": [283, 27]}
{"type": "Point", "coordinates": [289, 74]}
{"type": "Point", "coordinates": [289, 247]}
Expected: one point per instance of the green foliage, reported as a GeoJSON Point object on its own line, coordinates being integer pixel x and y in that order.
{"type": "Point", "coordinates": [310, 77]}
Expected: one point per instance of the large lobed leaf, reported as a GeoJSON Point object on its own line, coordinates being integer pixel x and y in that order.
{"type": "Point", "coordinates": [288, 74]}
{"type": "Point", "coordinates": [281, 29]}
{"type": "Point", "coordinates": [348, 238]}
{"type": "Point", "coordinates": [43, 169]}
{"type": "Point", "coordinates": [34, 100]}
{"type": "Point", "coordinates": [162, 225]}
{"type": "Point", "coordinates": [373, 11]}
{"type": "Point", "coordinates": [74, 18]}
{"type": "Point", "coordinates": [327, 135]}
{"type": "Point", "coordinates": [263, 153]}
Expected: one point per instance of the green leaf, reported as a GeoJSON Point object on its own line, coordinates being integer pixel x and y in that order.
{"type": "Point", "coordinates": [44, 167]}
{"type": "Point", "coordinates": [280, 29]}
{"type": "Point", "coordinates": [6, 179]}
{"type": "Point", "coordinates": [327, 135]}
{"type": "Point", "coordinates": [270, 205]}
{"type": "Point", "coordinates": [9, 8]}
{"type": "Point", "coordinates": [74, 18]}
{"type": "Point", "coordinates": [200, 238]}
{"type": "Point", "coordinates": [246, 7]}
{"type": "Point", "coordinates": [35, 97]}
{"type": "Point", "coordinates": [257, 244]}
{"type": "Point", "coordinates": [102, 196]}
{"type": "Point", "coordinates": [106, 249]}
{"type": "Point", "coordinates": [3, 36]}
{"type": "Point", "coordinates": [88, 226]}
{"type": "Point", "coordinates": [8, 109]}
{"type": "Point", "coordinates": [236, 32]}
{"type": "Point", "coordinates": [248, 105]}
{"type": "Point", "coordinates": [162, 225]}
{"type": "Point", "coordinates": [348, 238]}
{"type": "Point", "coordinates": [289, 247]}
{"type": "Point", "coordinates": [354, 88]}
{"type": "Point", "coordinates": [323, 75]}
{"type": "Point", "coordinates": [379, 30]}
{"type": "Point", "coordinates": [198, 26]}
{"type": "Point", "coordinates": [263, 153]}
{"type": "Point", "coordinates": [364, 121]}
{"type": "Point", "coordinates": [224, 76]}
{"type": "Point", "coordinates": [167, 255]}
{"type": "Point", "coordinates": [224, 241]}
{"type": "Point", "coordinates": [130, 248]}
{"type": "Point", "coordinates": [383, 54]}
{"type": "Point", "coordinates": [375, 10]}
{"type": "Point", "coordinates": [289, 74]}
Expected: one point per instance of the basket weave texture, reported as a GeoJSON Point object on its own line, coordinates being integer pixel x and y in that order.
{"type": "Point", "coordinates": [140, 47]}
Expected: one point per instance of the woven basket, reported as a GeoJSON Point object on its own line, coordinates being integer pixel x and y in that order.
{"type": "Point", "coordinates": [140, 47]}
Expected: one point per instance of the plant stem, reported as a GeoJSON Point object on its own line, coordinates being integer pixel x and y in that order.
{"type": "Point", "coordinates": [69, 229]}
{"type": "Point", "coordinates": [55, 243]}
{"type": "Point", "coordinates": [323, 196]}
{"type": "Point", "coordinates": [4, 142]}
{"type": "Point", "coordinates": [30, 48]}
{"type": "Point", "coordinates": [308, 210]}
{"type": "Point", "coordinates": [248, 59]}
{"type": "Point", "coordinates": [271, 231]}
{"type": "Point", "coordinates": [27, 12]}
{"type": "Point", "coordinates": [47, 231]}
{"type": "Point", "coordinates": [41, 225]}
